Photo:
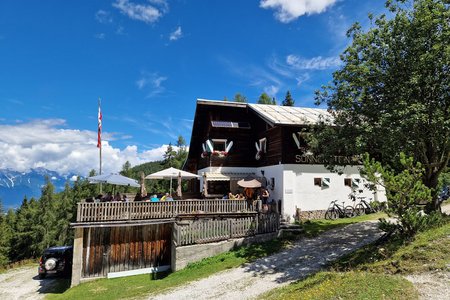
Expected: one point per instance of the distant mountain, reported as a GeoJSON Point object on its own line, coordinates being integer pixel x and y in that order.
{"type": "Point", "coordinates": [14, 185]}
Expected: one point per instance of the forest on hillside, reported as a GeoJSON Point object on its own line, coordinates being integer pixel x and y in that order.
{"type": "Point", "coordinates": [45, 222]}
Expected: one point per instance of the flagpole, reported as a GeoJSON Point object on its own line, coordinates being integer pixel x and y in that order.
{"type": "Point", "coordinates": [99, 141]}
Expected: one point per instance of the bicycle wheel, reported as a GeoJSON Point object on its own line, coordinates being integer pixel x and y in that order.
{"type": "Point", "coordinates": [360, 210]}
{"type": "Point", "coordinates": [348, 211]}
{"type": "Point", "coordinates": [331, 214]}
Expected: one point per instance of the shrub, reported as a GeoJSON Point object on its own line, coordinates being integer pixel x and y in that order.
{"type": "Point", "coordinates": [406, 196]}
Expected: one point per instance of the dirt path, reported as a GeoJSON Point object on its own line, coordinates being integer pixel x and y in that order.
{"type": "Point", "coordinates": [23, 283]}
{"type": "Point", "coordinates": [433, 285]}
{"type": "Point", "coordinates": [306, 257]}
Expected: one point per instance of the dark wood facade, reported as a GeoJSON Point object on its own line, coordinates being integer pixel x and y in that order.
{"type": "Point", "coordinates": [117, 249]}
{"type": "Point", "coordinates": [280, 146]}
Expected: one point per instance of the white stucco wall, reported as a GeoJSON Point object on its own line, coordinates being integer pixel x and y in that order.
{"type": "Point", "coordinates": [300, 191]}
{"type": "Point", "coordinates": [276, 172]}
{"type": "Point", "coordinates": [294, 185]}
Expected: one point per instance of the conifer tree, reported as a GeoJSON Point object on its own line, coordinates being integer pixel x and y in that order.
{"type": "Point", "coordinates": [46, 219]}
{"type": "Point", "coordinates": [169, 156]}
{"type": "Point", "coordinates": [5, 238]}
{"type": "Point", "coordinates": [264, 99]}
{"type": "Point", "coordinates": [240, 98]}
{"type": "Point", "coordinates": [288, 101]}
{"type": "Point", "coordinates": [66, 213]}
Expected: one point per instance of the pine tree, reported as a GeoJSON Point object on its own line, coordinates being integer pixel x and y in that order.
{"type": "Point", "coordinates": [169, 156]}
{"type": "Point", "coordinates": [264, 99]}
{"type": "Point", "coordinates": [5, 238]}
{"type": "Point", "coordinates": [25, 238]}
{"type": "Point", "coordinates": [66, 213]}
{"type": "Point", "coordinates": [46, 220]}
{"type": "Point", "coordinates": [240, 98]}
{"type": "Point", "coordinates": [126, 169]}
{"type": "Point", "coordinates": [288, 101]}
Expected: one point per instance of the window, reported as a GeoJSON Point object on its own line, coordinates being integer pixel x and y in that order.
{"type": "Point", "coordinates": [318, 181]}
{"type": "Point", "coordinates": [348, 182]}
{"type": "Point", "coordinates": [262, 145]}
{"type": "Point", "coordinates": [229, 124]}
{"type": "Point", "coordinates": [322, 182]}
{"type": "Point", "coordinates": [219, 144]}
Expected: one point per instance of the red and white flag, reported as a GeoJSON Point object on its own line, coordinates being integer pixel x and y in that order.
{"type": "Point", "coordinates": [99, 137]}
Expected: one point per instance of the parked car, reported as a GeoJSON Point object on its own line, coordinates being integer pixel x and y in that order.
{"type": "Point", "coordinates": [445, 193]}
{"type": "Point", "coordinates": [56, 260]}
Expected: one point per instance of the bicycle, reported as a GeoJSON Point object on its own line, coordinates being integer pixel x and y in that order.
{"type": "Point", "coordinates": [363, 207]}
{"type": "Point", "coordinates": [335, 211]}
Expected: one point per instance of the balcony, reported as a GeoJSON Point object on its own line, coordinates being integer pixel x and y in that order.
{"type": "Point", "coordinates": [107, 212]}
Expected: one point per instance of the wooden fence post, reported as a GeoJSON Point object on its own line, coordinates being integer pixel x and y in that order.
{"type": "Point", "coordinates": [77, 257]}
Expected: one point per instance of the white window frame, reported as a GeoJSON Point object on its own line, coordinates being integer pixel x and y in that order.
{"type": "Point", "coordinates": [221, 142]}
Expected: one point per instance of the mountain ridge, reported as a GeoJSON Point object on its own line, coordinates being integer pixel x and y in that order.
{"type": "Point", "coordinates": [15, 185]}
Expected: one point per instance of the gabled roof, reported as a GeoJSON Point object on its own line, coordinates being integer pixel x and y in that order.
{"type": "Point", "coordinates": [221, 103]}
{"type": "Point", "coordinates": [290, 115]}
{"type": "Point", "coordinates": [277, 115]}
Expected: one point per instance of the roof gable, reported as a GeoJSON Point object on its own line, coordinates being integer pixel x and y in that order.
{"type": "Point", "coordinates": [290, 115]}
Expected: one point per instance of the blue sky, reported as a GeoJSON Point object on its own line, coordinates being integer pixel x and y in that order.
{"type": "Point", "coordinates": [149, 60]}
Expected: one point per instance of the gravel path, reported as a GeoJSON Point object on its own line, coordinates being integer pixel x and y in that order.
{"type": "Point", "coordinates": [23, 283]}
{"type": "Point", "coordinates": [432, 286]}
{"type": "Point", "coordinates": [306, 257]}
{"type": "Point", "coordinates": [435, 285]}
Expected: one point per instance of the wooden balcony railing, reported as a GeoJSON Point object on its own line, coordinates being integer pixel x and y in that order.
{"type": "Point", "coordinates": [123, 211]}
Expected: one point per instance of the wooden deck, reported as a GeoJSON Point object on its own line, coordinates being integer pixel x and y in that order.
{"type": "Point", "coordinates": [127, 211]}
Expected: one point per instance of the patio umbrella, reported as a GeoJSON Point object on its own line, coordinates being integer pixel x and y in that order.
{"type": "Point", "coordinates": [171, 173]}
{"type": "Point", "coordinates": [116, 179]}
{"type": "Point", "coordinates": [249, 182]}
{"type": "Point", "coordinates": [143, 189]}
{"type": "Point", "coordinates": [205, 185]}
{"type": "Point", "coordinates": [179, 193]}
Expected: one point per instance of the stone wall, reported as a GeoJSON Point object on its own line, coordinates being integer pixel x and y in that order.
{"type": "Point", "coordinates": [182, 256]}
{"type": "Point", "coordinates": [311, 215]}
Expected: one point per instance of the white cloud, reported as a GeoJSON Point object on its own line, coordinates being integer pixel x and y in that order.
{"type": "Point", "coordinates": [177, 34]}
{"type": "Point", "coordinates": [271, 90]}
{"type": "Point", "coordinates": [257, 76]}
{"type": "Point", "coordinates": [148, 13]}
{"type": "Point", "coordinates": [103, 16]}
{"type": "Point", "coordinates": [120, 30]}
{"type": "Point", "coordinates": [315, 63]}
{"type": "Point", "coordinates": [152, 82]}
{"type": "Point", "coordinates": [44, 143]}
{"type": "Point", "coordinates": [100, 36]}
{"type": "Point", "coordinates": [289, 10]}
{"type": "Point", "coordinates": [302, 78]}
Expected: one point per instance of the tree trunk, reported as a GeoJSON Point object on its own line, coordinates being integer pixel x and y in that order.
{"type": "Point", "coordinates": [431, 181]}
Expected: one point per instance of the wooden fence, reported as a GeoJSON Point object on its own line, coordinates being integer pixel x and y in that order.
{"type": "Point", "coordinates": [207, 230]}
{"type": "Point", "coordinates": [121, 211]}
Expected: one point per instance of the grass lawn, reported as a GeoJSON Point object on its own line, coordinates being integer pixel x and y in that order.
{"type": "Point", "coordinates": [315, 227]}
{"type": "Point", "coordinates": [372, 272]}
{"type": "Point", "coordinates": [349, 285]}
